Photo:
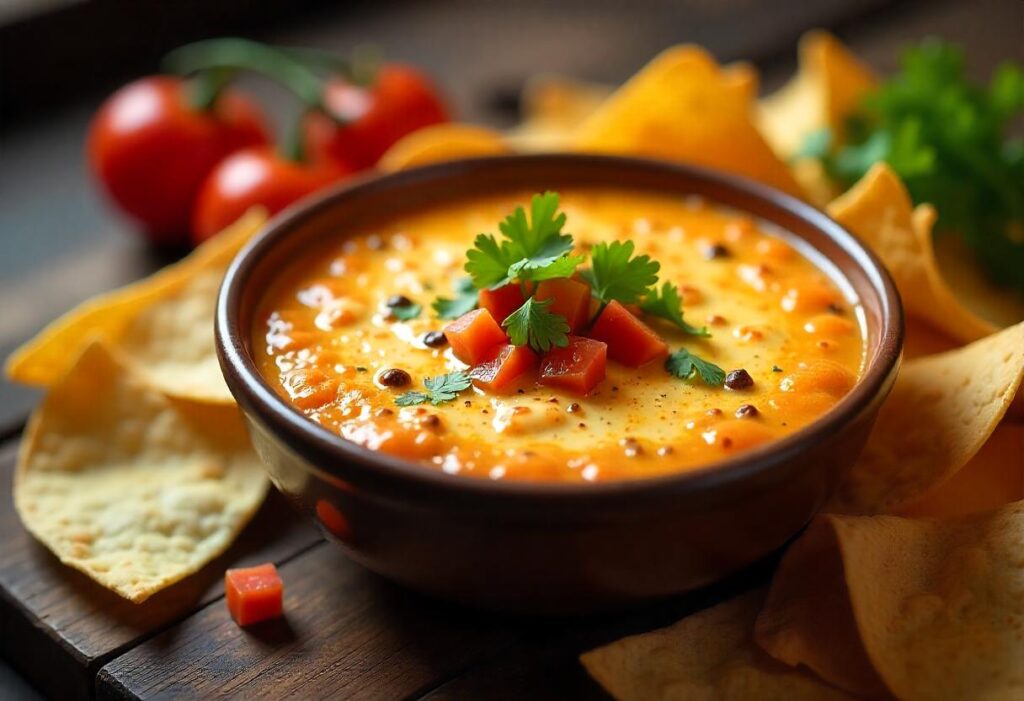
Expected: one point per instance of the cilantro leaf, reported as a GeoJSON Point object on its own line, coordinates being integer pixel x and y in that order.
{"type": "Point", "coordinates": [950, 141]}
{"type": "Point", "coordinates": [440, 389]}
{"type": "Point", "coordinates": [488, 262]}
{"type": "Point", "coordinates": [412, 398]}
{"type": "Point", "coordinates": [667, 304]}
{"type": "Point", "coordinates": [465, 300]}
{"type": "Point", "coordinates": [530, 249]}
{"type": "Point", "coordinates": [616, 274]}
{"type": "Point", "coordinates": [685, 365]}
{"type": "Point", "coordinates": [405, 313]}
{"type": "Point", "coordinates": [532, 324]}
{"type": "Point", "coordinates": [537, 269]}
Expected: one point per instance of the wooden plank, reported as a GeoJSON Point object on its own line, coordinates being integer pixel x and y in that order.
{"type": "Point", "coordinates": [347, 634]}
{"type": "Point", "coordinates": [545, 666]}
{"type": "Point", "coordinates": [350, 634]}
{"type": "Point", "coordinates": [58, 627]}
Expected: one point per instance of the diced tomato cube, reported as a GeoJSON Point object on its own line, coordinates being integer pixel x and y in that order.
{"type": "Point", "coordinates": [578, 368]}
{"type": "Point", "coordinates": [569, 298]}
{"type": "Point", "coordinates": [502, 301]}
{"type": "Point", "coordinates": [499, 373]}
{"type": "Point", "coordinates": [473, 336]}
{"type": "Point", "coordinates": [630, 341]}
{"type": "Point", "coordinates": [254, 594]}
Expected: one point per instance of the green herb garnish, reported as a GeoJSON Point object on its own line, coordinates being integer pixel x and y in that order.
{"type": "Point", "coordinates": [532, 324]}
{"type": "Point", "coordinates": [946, 137]}
{"type": "Point", "coordinates": [668, 304]}
{"type": "Point", "coordinates": [465, 300]}
{"type": "Point", "coordinates": [529, 250]}
{"type": "Point", "coordinates": [405, 312]}
{"type": "Point", "coordinates": [615, 273]}
{"type": "Point", "coordinates": [440, 389]}
{"type": "Point", "coordinates": [685, 365]}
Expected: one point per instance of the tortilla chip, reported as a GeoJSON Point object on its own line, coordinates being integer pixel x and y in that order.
{"type": "Point", "coordinates": [942, 410]}
{"type": "Point", "coordinates": [938, 605]}
{"type": "Point", "coordinates": [132, 488]}
{"type": "Point", "coordinates": [552, 107]}
{"type": "Point", "coordinates": [807, 619]}
{"type": "Point", "coordinates": [161, 325]}
{"type": "Point", "coordinates": [962, 272]}
{"type": "Point", "coordinates": [442, 142]}
{"type": "Point", "coordinates": [682, 106]}
{"type": "Point", "coordinates": [921, 339]}
{"type": "Point", "coordinates": [993, 478]}
{"type": "Point", "coordinates": [709, 655]}
{"type": "Point", "coordinates": [828, 87]}
{"type": "Point", "coordinates": [878, 210]}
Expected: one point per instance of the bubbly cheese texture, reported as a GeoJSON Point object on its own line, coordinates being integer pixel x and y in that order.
{"type": "Point", "coordinates": [323, 339]}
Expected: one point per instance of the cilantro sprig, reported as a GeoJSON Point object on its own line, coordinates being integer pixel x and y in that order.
{"type": "Point", "coordinates": [685, 365]}
{"type": "Point", "coordinates": [949, 140]}
{"type": "Point", "coordinates": [668, 304]}
{"type": "Point", "coordinates": [615, 273]}
{"type": "Point", "coordinates": [532, 324]}
{"type": "Point", "coordinates": [466, 299]}
{"type": "Point", "coordinates": [440, 389]}
{"type": "Point", "coordinates": [530, 249]}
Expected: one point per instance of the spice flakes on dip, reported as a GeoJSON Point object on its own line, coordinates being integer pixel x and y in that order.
{"type": "Point", "coordinates": [562, 356]}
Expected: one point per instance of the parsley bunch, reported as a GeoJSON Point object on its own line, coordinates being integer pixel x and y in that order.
{"type": "Point", "coordinates": [946, 138]}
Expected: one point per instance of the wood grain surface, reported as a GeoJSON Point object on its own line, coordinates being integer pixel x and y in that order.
{"type": "Point", "coordinates": [59, 627]}
{"type": "Point", "coordinates": [347, 633]}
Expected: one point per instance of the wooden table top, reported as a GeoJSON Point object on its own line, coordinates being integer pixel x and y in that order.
{"type": "Point", "coordinates": [349, 634]}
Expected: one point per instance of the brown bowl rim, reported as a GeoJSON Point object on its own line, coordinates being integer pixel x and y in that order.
{"type": "Point", "coordinates": [373, 469]}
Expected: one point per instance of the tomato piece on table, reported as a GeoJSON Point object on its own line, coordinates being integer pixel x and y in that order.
{"type": "Point", "coordinates": [630, 341]}
{"type": "Point", "coordinates": [254, 594]}
{"type": "Point", "coordinates": [474, 336]}
{"type": "Point", "coordinates": [500, 373]}
{"type": "Point", "coordinates": [502, 301]}
{"type": "Point", "coordinates": [577, 368]}
{"type": "Point", "coordinates": [569, 298]}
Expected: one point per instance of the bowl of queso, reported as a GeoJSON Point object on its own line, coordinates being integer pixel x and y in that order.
{"type": "Point", "coordinates": [557, 383]}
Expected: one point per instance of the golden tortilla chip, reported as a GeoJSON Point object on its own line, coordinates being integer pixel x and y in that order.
{"type": "Point", "coordinates": [942, 410]}
{"type": "Point", "coordinates": [162, 325]}
{"type": "Point", "coordinates": [553, 106]}
{"type": "Point", "coordinates": [132, 488]}
{"type": "Point", "coordinates": [878, 210]}
{"type": "Point", "coordinates": [993, 478]}
{"type": "Point", "coordinates": [683, 106]}
{"type": "Point", "coordinates": [923, 339]}
{"type": "Point", "coordinates": [807, 620]}
{"type": "Point", "coordinates": [938, 605]}
{"type": "Point", "coordinates": [828, 87]}
{"type": "Point", "coordinates": [442, 142]}
{"type": "Point", "coordinates": [704, 657]}
{"type": "Point", "coordinates": [958, 267]}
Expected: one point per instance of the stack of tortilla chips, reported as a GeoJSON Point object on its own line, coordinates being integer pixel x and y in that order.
{"type": "Point", "coordinates": [911, 583]}
{"type": "Point", "coordinates": [136, 468]}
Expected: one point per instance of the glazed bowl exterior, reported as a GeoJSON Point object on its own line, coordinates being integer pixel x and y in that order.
{"type": "Point", "coordinates": [546, 547]}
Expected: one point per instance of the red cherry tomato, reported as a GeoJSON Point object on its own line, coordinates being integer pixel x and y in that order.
{"type": "Point", "coordinates": [400, 101]}
{"type": "Point", "coordinates": [250, 177]}
{"type": "Point", "coordinates": [151, 150]}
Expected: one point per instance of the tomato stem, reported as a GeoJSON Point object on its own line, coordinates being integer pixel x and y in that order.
{"type": "Point", "coordinates": [206, 87]}
{"type": "Point", "coordinates": [292, 146]}
{"type": "Point", "coordinates": [242, 54]}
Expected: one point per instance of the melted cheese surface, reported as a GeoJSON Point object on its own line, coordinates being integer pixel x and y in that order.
{"type": "Point", "coordinates": [324, 337]}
